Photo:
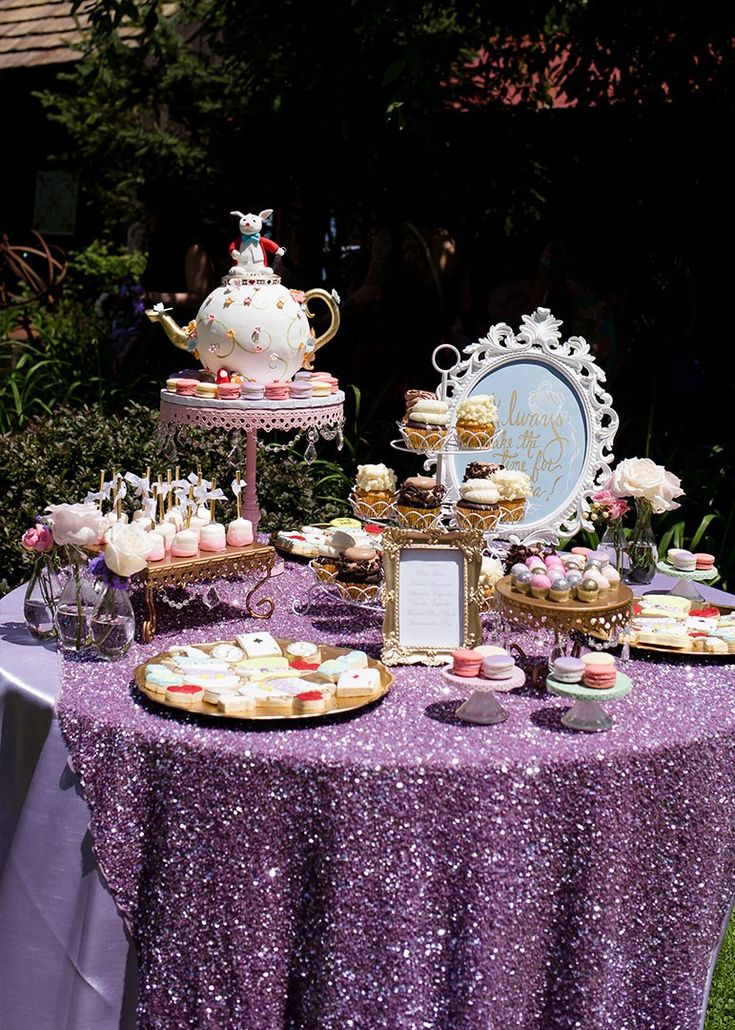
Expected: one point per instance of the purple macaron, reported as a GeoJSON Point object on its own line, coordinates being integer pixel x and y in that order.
{"type": "Point", "coordinates": [568, 670]}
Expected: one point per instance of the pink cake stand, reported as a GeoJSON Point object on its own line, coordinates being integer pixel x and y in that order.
{"type": "Point", "coordinates": [320, 417]}
{"type": "Point", "coordinates": [482, 707]}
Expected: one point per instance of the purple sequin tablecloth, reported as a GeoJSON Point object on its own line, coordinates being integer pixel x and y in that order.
{"type": "Point", "coordinates": [401, 869]}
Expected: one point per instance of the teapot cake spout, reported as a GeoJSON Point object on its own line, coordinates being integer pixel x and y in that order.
{"type": "Point", "coordinates": [179, 337]}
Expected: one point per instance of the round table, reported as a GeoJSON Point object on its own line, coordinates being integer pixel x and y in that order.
{"type": "Point", "coordinates": [401, 868]}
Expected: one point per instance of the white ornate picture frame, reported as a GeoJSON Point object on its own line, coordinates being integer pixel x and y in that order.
{"type": "Point", "coordinates": [556, 421]}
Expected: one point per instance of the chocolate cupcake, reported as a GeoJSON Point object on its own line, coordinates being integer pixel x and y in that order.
{"type": "Point", "coordinates": [477, 506]}
{"type": "Point", "coordinates": [359, 571]}
{"type": "Point", "coordinates": [481, 470]}
{"type": "Point", "coordinates": [418, 503]}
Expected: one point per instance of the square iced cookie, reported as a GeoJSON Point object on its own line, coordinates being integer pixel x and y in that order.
{"type": "Point", "coordinates": [258, 645]}
{"type": "Point", "coordinates": [357, 682]}
{"type": "Point", "coordinates": [269, 661]}
{"type": "Point", "coordinates": [236, 704]}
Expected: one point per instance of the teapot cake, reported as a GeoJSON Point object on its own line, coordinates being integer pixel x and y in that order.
{"type": "Point", "coordinates": [251, 324]}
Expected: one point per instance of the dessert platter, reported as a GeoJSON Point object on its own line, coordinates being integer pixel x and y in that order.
{"type": "Point", "coordinates": [672, 624]}
{"type": "Point", "coordinates": [258, 676]}
{"type": "Point", "coordinates": [566, 592]}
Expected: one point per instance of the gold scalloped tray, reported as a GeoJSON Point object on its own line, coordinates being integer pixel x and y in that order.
{"type": "Point", "coordinates": [338, 704]}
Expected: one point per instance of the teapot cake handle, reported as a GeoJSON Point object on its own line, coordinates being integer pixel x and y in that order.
{"type": "Point", "coordinates": [333, 305]}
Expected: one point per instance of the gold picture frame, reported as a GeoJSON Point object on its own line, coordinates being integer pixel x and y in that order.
{"type": "Point", "coordinates": [426, 599]}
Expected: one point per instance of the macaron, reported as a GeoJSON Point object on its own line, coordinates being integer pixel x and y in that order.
{"type": "Point", "coordinates": [186, 387]}
{"type": "Point", "coordinates": [599, 670]}
{"type": "Point", "coordinates": [252, 391]}
{"type": "Point", "coordinates": [683, 561]}
{"type": "Point", "coordinates": [705, 562]}
{"type": "Point", "coordinates": [208, 390]}
{"type": "Point", "coordinates": [171, 385]}
{"type": "Point", "coordinates": [300, 389]}
{"type": "Point", "coordinates": [227, 391]}
{"type": "Point", "coordinates": [487, 649]}
{"type": "Point", "coordinates": [466, 662]}
{"type": "Point", "coordinates": [498, 667]}
{"type": "Point", "coordinates": [599, 678]}
{"type": "Point", "coordinates": [276, 391]}
{"type": "Point", "coordinates": [584, 551]}
{"type": "Point", "coordinates": [567, 670]}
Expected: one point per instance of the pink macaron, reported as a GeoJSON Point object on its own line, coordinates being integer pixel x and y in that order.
{"type": "Point", "coordinates": [584, 551]}
{"type": "Point", "coordinates": [186, 387]}
{"type": "Point", "coordinates": [276, 391]}
{"type": "Point", "coordinates": [228, 391]}
{"type": "Point", "coordinates": [705, 562]}
{"type": "Point", "coordinates": [466, 662]}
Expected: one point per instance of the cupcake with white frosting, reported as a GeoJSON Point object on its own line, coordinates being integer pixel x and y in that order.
{"type": "Point", "coordinates": [425, 425]}
{"type": "Point", "coordinates": [375, 487]}
{"type": "Point", "coordinates": [478, 506]}
{"type": "Point", "coordinates": [477, 418]}
{"type": "Point", "coordinates": [514, 488]}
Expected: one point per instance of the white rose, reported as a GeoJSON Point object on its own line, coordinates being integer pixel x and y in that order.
{"type": "Point", "coordinates": [127, 549]}
{"type": "Point", "coordinates": [80, 525]}
{"type": "Point", "coordinates": [641, 477]}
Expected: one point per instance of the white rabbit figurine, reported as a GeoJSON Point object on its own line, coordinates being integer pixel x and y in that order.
{"type": "Point", "coordinates": [251, 259]}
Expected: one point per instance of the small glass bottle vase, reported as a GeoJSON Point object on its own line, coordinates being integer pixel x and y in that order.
{"type": "Point", "coordinates": [41, 598]}
{"type": "Point", "coordinates": [641, 546]}
{"type": "Point", "coordinates": [613, 543]}
{"type": "Point", "coordinates": [113, 624]}
{"type": "Point", "coordinates": [75, 606]}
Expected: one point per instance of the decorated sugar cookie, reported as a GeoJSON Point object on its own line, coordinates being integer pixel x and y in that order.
{"type": "Point", "coordinates": [258, 645]}
{"type": "Point", "coordinates": [358, 682]}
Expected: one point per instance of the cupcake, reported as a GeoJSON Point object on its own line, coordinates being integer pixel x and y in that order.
{"type": "Point", "coordinates": [521, 581]}
{"type": "Point", "coordinates": [514, 488]}
{"type": "Point", "coordinates": [426, 422]}
{"type": "Point", "coordinates": [418, 503]}
{"type": "Point", "coordinates": [560, 590]}
{"type": "Point", "coordinates": [477, 507]}
{"type": "Point", "coordinates": [588, 590]}
{"type": "Point", "coordinates": [375, 487]}
{"type": "Point", "coordinates": [358, 571]}
{"type": "Point", "coordinates": [540, 585]}
{"type": "Point", "coordinates": [477, 417]}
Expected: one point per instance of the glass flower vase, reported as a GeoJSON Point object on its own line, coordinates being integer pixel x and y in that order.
{"type": "Point", "coordinates": [613, 543]}
{"type": "Point", "coordinates": [641, 549]}
{"type": "Point", "coordinates": [41, 598]}
{"type": "Point", "coordinates": [76, 603]}
{"type": "Point", "coordinates": [113, 624]}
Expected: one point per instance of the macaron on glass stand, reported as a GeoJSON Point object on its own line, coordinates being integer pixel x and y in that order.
{"type": "Point", "coordinates": [587, 713]}
{"type": "Point", "coordinates": [688, 580]}
{"type": "Point", "coordinates": [482, 707]}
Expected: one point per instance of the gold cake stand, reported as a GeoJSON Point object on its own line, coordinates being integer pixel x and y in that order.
{"type": "Point", "coordinates": [253, 560]}
{"type": "Point", "coordinates": [336, 705]}
{"type": "Point", "coordinates": [602, 619]}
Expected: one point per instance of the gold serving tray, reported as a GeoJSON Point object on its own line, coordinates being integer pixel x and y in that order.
{"type": "Point", "coordinates": [688, 651]}
{"type": "Point", "coordinates": [339, 704]}
{"type": "Point", "coordinates": [599, 619]}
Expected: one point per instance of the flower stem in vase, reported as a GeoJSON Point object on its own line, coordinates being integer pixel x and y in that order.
{"type": "Point", "coordinates": [641, 547]}
{"type": "Point", "coordinates": [76, 603]}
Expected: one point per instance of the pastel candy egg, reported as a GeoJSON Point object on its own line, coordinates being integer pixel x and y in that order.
{"type": "Point", "coordinates": [574, 576]}
{"type": "Point", "coordinates": [518, 568]}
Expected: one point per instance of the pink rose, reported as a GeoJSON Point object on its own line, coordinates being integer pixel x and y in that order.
{"type": "Point", "coordinates": [37, 538]}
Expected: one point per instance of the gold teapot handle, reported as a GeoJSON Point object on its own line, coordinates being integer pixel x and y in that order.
{"type": "Point", "coordinates": [328, 299]}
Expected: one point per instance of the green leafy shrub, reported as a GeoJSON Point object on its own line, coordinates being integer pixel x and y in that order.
{"type": "Point", "coordinates": [70, 358]}
{"type": "Point", "coordinates": [58, 458]}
